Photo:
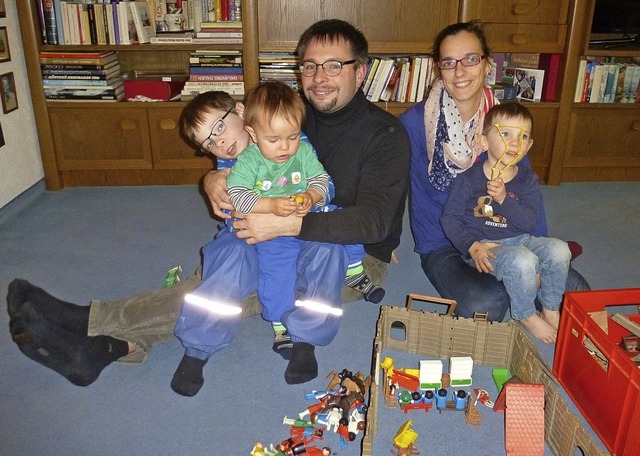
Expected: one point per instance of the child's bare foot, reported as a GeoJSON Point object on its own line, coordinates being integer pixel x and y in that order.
{"type": "Point", "coordinates": [539, 327]}
{"type": "Point", "coordinates": [551, 316]}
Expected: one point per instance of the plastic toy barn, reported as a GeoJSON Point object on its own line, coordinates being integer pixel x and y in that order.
{"type": "Point", "coordinates": [597, 373]}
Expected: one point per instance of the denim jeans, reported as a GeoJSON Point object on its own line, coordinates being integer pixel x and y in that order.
{"type": "Point", "coordinates": [472, 290]}
{"type": "Point", "coordinates": [519, 260]}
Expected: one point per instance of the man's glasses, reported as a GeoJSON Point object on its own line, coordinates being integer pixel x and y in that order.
{"type": "Point", "coordinates": [330, 67]}
{"type": "Point", "coordinates": [468, 61]}
{"type": "Point", "coordinates": [218, 128]}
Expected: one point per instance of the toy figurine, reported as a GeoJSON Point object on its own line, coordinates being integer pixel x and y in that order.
{"type": "Point", "coordinates": [258, 449]}
{"type": "Point", "coordinates": [411, 450]}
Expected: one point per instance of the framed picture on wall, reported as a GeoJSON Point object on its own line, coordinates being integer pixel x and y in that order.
{"type": "Point", "coordinates": [1, 137]}
{"type": "Point", "coordinates": [3, 10]}
{"type": "Point", "coordinates": [5, 55]}
{"type": "Point", "coordinates": [8, 93]}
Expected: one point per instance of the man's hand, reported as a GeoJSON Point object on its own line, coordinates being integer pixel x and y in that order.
{"type": "Point", "coordinates": [255, 228]}
{"type": "Point", "coordinates": [480, 253]}
{"type": "Point", "coordinates": [215, 186]}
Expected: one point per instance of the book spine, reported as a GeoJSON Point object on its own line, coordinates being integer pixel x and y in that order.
{"type": "Point", "coordinates": [59, 23]}
{"type": "Point", "coordinates": [215, 70]}
{"type": "Point", "coordinates": [216, 77]}
{"type": "Point", "coordinates": [50, 26]}
{"type": "Point", "coordinates": [71, 66]}
{"type": "Point", "coordinates": [48, 82]}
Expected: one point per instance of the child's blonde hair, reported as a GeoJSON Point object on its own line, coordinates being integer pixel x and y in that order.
{"type": "Point", "coordinates": [270, 99]}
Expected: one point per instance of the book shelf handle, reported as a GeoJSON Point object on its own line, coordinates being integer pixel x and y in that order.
{"type": "Point", "coordinates": [519, 39]}
{"type": "Point", "coordinates": [635, 126]}
{"type": "Point", "coordinates": [521, 9]}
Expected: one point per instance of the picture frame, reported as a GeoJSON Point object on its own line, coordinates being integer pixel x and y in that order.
{"type": "Point", "coordinates": [2, 141]}
{"type": "Point", "coordinates": [3, 11]}
{"type": "Point", "coordinates": [5, 54]}
{"type": "Point", "coordinates": [8, 93]}
{"type": "Point", "coordinates": [528, 83]}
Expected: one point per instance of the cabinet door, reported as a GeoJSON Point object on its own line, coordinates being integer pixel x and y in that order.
{"type": "Point", "coordinates": [516, 11]}
{"type": "Point", "coordinates": [603, 144]}
{"type": "Point", "coordinates": [399, 26]}
{"type": "Point", "coordinates": [520, 25]}
{"type": "Point", "coordinates": [170, 151]}
{"type": "Point", "coordinates": [100, 137]}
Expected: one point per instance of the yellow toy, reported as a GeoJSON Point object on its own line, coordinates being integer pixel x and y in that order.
{"type": "Point", "coordinates": [506, 149]}
{"type": "Point", "coordinates": [405, 436]}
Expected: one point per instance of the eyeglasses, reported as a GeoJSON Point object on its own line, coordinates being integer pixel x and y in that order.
{"type": "Point", "coordinates": [330, 67]}
{"type": "Point", "coordinates": [218, 128]}
{"type": "Point", "coordinates": [468, 61]}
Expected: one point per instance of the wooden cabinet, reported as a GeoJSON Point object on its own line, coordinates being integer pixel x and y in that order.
{"type": "Point", "coordinates": [123, 143]}
{"type": "Point", "coordinates": [126, 143]}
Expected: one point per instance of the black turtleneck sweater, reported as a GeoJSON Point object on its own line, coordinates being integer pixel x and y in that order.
{"type": "Point", "coordinates": [366, 152]}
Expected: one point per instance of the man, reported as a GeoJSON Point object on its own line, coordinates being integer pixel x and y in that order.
{"type": "Point", "coordinates": [364, 149]}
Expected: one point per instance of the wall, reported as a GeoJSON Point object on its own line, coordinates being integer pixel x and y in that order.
{"type": "Point", "coordinates": [20, 163]}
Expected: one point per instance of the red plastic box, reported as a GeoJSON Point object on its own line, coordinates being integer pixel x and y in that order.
{"type": "Point", "coordinates": [155, 87]}
{"type": "Point", "coordinates": [596, 372]}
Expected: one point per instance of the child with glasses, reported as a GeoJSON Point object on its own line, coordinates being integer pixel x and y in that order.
{"type": "Point", "coordinates": [213, 121]}
{"type": "Point", "coordinates": [490, 213]}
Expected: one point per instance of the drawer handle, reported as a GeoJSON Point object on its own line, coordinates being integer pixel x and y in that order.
{"type": "Point", "coordinates": [635, 126]}
{"type": "Point", "coordinates": [128, 124]}
{"type": "Point", "coordinates": [521, 9]}
{"type": "Point", "coordinates": [167, 124]}
{"type": "Point", "coordinates": [519, 39]}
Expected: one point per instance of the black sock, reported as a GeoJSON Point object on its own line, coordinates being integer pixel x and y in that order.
{"type": "Point", "coordinates": [188, 378]}
{"type": "Point", "coordinates": [80, 359]}
{"type": "Point", "coordinates": [65, 315]}
{"type": "Point", "coordinates": [303, 365]}
{"type": "Point", "coordinates": [363, 284]}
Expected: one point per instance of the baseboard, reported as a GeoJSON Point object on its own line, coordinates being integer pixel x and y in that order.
{"type": "Point", "coordinates": [23, 200]}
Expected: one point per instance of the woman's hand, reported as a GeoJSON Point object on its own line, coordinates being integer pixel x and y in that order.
{"type": "Point", "coordinates": [215, 186]}
{"type": "Point", "coordinates": [481, 252]}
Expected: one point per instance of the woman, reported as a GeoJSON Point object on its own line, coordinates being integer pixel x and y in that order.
{"type": "Point", "coordinates": [444, 132]}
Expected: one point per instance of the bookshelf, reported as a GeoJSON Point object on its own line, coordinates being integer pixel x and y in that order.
{"type": "Point", "coordinates": [135, 143]}
{"type": "Point", "coordinates": [601, 139]}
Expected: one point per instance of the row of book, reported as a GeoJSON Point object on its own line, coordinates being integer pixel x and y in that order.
{"type": "Point", "coordinates": [608, 80]}
{"type": "Point", "coordinates": [82, 22]}
{"type": "Point", "coordinates": [81, 76]}
{"type": "Point", "coordinates": [401, 78]}
{"type": "Point", "coordinates": [112, 22]}
{"type": "Point", "coordinates": [214, 70]}
{"type": "Point", "coordinates": [280, 66]}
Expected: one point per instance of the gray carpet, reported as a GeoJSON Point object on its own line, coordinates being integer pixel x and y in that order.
{"type": "Point", "coordinates": [107, 243]}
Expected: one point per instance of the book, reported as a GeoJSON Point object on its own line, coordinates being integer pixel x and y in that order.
{"type": "Point", "coordinates": [57, 10]}
{"type": "Point", "coordinates": [379, 79]}
{"type": "Point", "coordinates": [522, 60]}
{"type": "Point", "coordinates": [78, 60]}
{"type": "Point", "coordinates": [425, 63]}
{"type": "Point", "coordinates": [221, 24]}
{"type": "Point", "coordinates": [50, 26]}
{"type": "Point", "coordinates": [215, 77]}
{"type": "Point", "coordinates": [528, 83]}
{"type": "Point", "coordinates": [372, 67]}
{"type": "Point", "coordinates": [612, 82]}
{"type": "Point", "coordinates": [86, 93]}
{"type": "Point", "coordinates": [550, 63]}
{"type": "Point", "coordinates": [391, 83]}
{"type": "Point", "coordinates": [53, 82]}
{"type": "Point", "coordinates": [603, 82]}
{"type": "Point", "coordinates": [582, 71]}
{"type": "Point", "coordinates": [413, 80]}
{"type": "Point", "coordinates": [77, 55]}
{"type": "Point", "coordinates": [634, 86]}
{"type": "Point", "coordinates": [215, 70]}
{"type": "Point", "coordinates": [142, 21]}
{"type": "Point", "coordinates": [214, 34]}
{"type": "Point", "coordinates": [596, 79]}
{"type": "Point", "coordinates": [619, 89]}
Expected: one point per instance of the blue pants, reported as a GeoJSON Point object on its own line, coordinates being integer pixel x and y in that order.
{"type": "Point", "coordinates": [230, 274]}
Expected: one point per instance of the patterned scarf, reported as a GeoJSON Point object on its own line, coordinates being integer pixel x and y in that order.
{"type": "Point", "coordinates": [452, 147]}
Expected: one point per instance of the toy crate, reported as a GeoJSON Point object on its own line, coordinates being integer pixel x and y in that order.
{"type": "Point", "coordinates": [501, 345]}
{"type": "Point", "coordinates": [597, 373]}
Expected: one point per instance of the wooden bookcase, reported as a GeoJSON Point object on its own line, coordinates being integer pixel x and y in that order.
{"type": "Point", "coordinates": [595, 141]}
{"type": "Point", "coordinates": [134, 143]}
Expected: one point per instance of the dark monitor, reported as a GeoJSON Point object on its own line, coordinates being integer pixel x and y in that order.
{"type": "Point", "coordinates": [616, 16]}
